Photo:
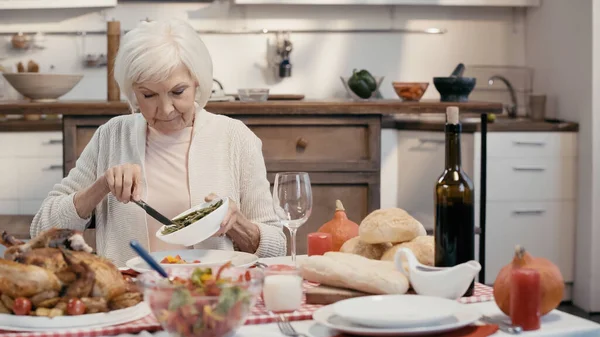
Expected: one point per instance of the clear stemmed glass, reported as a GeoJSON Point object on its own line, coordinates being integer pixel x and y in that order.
{"type": "Point", "coordinates": [292, 201]}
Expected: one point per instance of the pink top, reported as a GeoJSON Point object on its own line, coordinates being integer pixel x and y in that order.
{"type": "Point", "coordinates": [167, 179]}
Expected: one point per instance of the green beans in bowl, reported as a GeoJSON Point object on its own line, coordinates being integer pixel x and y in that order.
{"type": "Point", "coordinates": [196, 224]}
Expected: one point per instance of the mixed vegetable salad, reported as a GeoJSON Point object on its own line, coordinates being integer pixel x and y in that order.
{"type": "Point", "coordinates": [205, 304]}
{"type": "Point", "coordinates": [169, 259]}
{"type": "Point", "coordinates": [190, 218]}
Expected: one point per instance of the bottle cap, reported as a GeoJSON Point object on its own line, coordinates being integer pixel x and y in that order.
{"type": "Point", "coordinates": [452, 115]}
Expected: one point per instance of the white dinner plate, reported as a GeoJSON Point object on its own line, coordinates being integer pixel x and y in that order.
{"type": "Point", "coordinates": [326, 316]}
{"type": "Point", "coordinates": [396, 311]}
{"type": "Point", "coordinates": [99, 320]}
{"type": "Point", "coordinates": [208, 258]}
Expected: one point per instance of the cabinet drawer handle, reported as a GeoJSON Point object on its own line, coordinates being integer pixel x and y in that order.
{"type": "Point", "coordinates": [53, 168]}
{"type": "Point", "coordinates": [529, 169]}
{"type": "Point", "coordinates": [520, 142]}
{"type": "Point", "coordinates": [529, 211]}
{"type": "Point", "coordinates": [434, 141]}
{"type": "Point", "coordinates": [302, 143]}
{"type": "Point", "coordinates": [54, 142]}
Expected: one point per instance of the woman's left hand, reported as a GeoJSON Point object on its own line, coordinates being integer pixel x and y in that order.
{"type": "Point", "coordinates": [231, 217]}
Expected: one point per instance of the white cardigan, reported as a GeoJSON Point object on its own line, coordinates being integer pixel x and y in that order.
{"type": "Point", "coordinates": [225, 158]}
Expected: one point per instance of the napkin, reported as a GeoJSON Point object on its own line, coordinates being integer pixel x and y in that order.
{"type": "Point", "coordinates": [469, 331]}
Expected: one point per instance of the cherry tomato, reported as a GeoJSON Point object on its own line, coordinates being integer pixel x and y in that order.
{"type": "Point", "coordinates": [22, 306]}
{"type": "Point", "coordinates": [75, 307]}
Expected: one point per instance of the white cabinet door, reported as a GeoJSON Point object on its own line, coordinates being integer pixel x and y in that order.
{"type": "Point", "coordinates": [37, 176]}
{"type": "Point", "coordinates": [421, 160]}
{"type": "Point", "coordinates": [42, 4]}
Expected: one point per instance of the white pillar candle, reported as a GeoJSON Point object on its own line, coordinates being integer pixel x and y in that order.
{"type": "Point", "coordinates": [282, 292]}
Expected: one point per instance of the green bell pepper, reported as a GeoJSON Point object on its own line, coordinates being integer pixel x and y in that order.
{"type": "Point", "coordinates": [362, 83]}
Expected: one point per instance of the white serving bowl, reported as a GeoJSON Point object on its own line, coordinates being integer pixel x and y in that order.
{"type": "Point", "coordinates": [42, 87]}
{"type": "Point", "coordinates": [199, 230]}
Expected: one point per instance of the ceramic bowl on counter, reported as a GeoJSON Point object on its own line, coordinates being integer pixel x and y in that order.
{"type": "Point", "coordinates": [410, 91]}
{"type": "Point", "coordinates": [42, 87]}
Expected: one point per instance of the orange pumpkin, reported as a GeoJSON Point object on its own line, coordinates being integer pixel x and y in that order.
{"type": "Point", "coordinates": [551, 281]}
{"type": "Point", "coordinates": [340, 227]}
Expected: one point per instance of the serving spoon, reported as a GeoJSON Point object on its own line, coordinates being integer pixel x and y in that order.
{"type": "Point", "coordinates": [143, 253]}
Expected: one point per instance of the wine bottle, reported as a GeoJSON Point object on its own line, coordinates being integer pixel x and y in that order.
{"type": "Point", "coordinates": [454, 210]}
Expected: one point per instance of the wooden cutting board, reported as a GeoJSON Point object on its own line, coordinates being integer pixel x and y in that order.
{"type": "Point", "coordinates": [322, 294]}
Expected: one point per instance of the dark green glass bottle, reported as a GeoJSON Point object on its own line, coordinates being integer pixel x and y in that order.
{"type": "Point", "coordinates": [454, 209]}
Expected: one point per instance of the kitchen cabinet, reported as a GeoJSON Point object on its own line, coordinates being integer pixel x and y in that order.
{"type": "Point", "coordinates": [492, 3]}
{"type": "Point", "coordinates": [531, 189]}
{"type": "Point", "coordinates": [341, 153]}
{"type": "Point", "coordinates": [33, 164]}
{"type": "Point", "coordinates": [47, 4]}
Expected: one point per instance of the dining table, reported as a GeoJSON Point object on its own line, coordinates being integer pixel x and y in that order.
{"type": "Point", "coordinates": [554, 324]}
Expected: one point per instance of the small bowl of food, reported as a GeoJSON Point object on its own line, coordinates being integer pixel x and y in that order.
{"type": "Point", "coordinates": [410, 91]}
{"type": "Point", "coordinates": [202, 302]}
{"type": "Point", "coordinates": [253, 95]}
{"type": "Point", "coordinates": [196, 224]}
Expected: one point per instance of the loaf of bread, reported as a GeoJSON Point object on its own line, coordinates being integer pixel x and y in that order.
{"type": "Point", "coordinates": [422, 246]}
{"type": "Point", "coordinates": [355, 272]}
{"type": "Point", "coordinates": [393, 225]}
{"type": "Point", "coordinates": [370, 251]}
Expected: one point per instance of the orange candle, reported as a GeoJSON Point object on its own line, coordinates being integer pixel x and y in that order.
{"type": "Point", "coordinates": [319, 243]}
{"type": "Point", "coordinates": [525, 298]}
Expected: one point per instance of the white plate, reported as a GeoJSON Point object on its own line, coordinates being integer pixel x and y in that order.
{"type": "Point", "coordinates": [99, 320]}
{"type": "Point", "coordinates": [200, 230]}
{"type": "Point", "coordinates": [396, 311]}
{"type": "Point", "coordinates": [325, 316]}
{"type": "Point", "coordinates": [208, 258]}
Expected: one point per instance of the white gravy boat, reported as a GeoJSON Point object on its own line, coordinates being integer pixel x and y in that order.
{"type": "Point", "coordinates": [446, 282]}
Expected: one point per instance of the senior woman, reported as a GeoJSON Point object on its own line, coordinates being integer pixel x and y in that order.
{"type": "Point", "coordinates": [173, 154]}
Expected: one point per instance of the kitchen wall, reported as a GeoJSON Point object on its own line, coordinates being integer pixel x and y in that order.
{"type": "Point", "coordinates": [561, 47]}
{"type": "Point", "coordinates": [475, 36]}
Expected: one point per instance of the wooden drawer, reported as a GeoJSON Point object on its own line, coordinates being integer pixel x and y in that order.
{"type": "Point", "coordinates": [318, 144]}
{"type": "Point", "coordinates": [534, 178]}
{"type": "Point", "coordinates": [546, 229]}
{"type": "Point", "coordinates": [31, 144]}
{"type": "Point", "coordinates": [529, 144]}
{"type": "Point", "coordinates": [358, 192]}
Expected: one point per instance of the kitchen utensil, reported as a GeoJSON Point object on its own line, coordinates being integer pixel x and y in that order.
{"type": "Point", "coordinates": [537, 107]}
{"type": "Point", "coordinates": [410, 91]}
{"type": "Point", "coordinates": [207, 258]}
{"type": "Point", "coordinates": [287, 329]}
{"type": "Point", "coordinates": [396, 311]}
{"type": "Point", "coordinates": [199, 230]}
{"type": "Point", "coordinates": [42, 87]}
{"type": "Point", "coordinates": [505, 327]}
{"type": "Point", "coordinates": [327, 317]}
{"type": "Point", "coordinates": [153, 213]}
{"type": "Point", "coordinates": [253, 95]}
{"type": "Point", "coordinates": [426, 280]}
{"type": "Point", "coordinates": [324, 295]}
{"type": "Point", "coordinates": [455, 88]}
{"type": "Point", "coordinates": [148, 258]}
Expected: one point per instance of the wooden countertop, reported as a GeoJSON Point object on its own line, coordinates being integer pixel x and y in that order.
{"type": "Point", "coordinates": [502, 124]}
{"type": "Point", "coordinates": [320, 107]}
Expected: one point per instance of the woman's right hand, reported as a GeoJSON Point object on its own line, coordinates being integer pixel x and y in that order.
{"type": "Point", "coordinates": [124, 182]}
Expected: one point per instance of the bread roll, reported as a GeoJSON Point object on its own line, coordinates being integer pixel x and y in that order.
{"type": "Point", "coordinates": [355, 272]}
{"type": "Point", "coordinates": [422, 246]}
{"type": "Point", "coordinates": [370, 251]}
{"type": "Point", "coordinates": [389, 225]}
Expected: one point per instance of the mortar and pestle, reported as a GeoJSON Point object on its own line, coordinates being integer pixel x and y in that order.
{"type": "Point", "coordinates": [455, 88]}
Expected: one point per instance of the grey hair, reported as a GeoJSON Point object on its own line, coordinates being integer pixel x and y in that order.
{"type": "Point", "coordinates": [151, 51]}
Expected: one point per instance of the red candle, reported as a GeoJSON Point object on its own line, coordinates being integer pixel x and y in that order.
{"type": "Point", "coordinates": [525, 298]}
{"type": "Point", "coordinates": [319, 243]}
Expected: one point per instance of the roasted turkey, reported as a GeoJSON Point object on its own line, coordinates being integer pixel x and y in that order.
{"type": "Point", "coordinates": [59, 262]}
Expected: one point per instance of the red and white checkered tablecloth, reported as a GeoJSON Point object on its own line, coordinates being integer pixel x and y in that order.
{"type": "Point", "coordinates": [259, 315]}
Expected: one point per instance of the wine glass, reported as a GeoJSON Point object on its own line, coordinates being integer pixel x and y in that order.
{"type": "Point", "coordinates": [292, 202]}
